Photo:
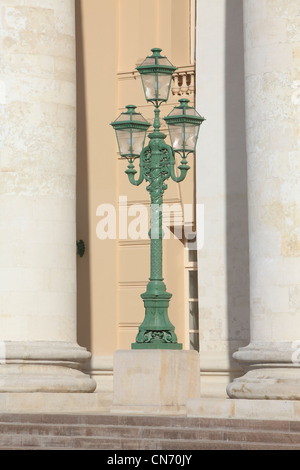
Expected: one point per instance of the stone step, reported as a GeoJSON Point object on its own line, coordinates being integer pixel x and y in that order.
{"type": "Point", "coordinates": [125, 431]}
{"type": "Point", "coordinates": [92, 443]}
{"type": "Point", "coordinates": [152, 433]}
{"type": "Point", "coordinates": [113, 432]}
{"type": "Point", "coordinates": [113, 444]}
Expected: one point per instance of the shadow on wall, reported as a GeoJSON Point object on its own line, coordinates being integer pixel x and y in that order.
{"type": "Point", "coordinates": [82, 199]}
{"type": "Point", "coordinates": [238, 288]}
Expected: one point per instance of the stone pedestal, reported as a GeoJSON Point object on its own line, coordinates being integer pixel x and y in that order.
{"type": "Point", "coordinates": [272, 123]}
{"type": "Point", "coordinates": [155, 382]}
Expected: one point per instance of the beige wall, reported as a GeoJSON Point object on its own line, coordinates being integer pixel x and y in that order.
{"type": "Point", "coordinates": [96, 171]}
{"type": "Point", "coordinates": [113, 37]}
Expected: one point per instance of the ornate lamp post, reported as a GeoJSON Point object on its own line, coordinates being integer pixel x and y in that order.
{"type": "Point", "coordinates": [157, 165]}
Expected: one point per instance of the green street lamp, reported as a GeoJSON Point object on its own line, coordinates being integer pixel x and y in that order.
{"type": "Point", "coordinates": [157, 165]}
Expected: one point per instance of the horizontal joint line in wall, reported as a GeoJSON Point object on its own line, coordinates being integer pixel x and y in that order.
{"type": "Point", "coordinates": [129, 325]}
{"type": "Point", "coordinates": [134, 242]}
{"type": "Point", "coordinates": [128, 284]}
{"type": "Point", "coordinates": [148, 202]}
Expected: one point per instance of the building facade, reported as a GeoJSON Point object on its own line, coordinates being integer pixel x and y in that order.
{"type": "Point", "coordinates": [68, 68]}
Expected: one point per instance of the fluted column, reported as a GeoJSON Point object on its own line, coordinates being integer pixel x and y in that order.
{"type": "Point", "coordinates": [38, 346]}
{"type": "Point", "coordinates": [272, 78]}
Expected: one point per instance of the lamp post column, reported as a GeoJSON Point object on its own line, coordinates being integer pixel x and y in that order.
{"type": "Point", "coordinates": [156, 190]}
{"type": "Point", "coordinates": [272, 111]}
{"type": "Point", "coordinates": [156, 331]}
{"type": "Point", "coordinates": [38, 346]}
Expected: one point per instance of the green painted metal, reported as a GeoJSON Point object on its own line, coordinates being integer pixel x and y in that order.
{"type": "Point", "coordinates": [80, 248]}
{"type": "Point", "coordinates": [156, 165]}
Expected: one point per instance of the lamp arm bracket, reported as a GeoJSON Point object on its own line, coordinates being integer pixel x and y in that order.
{"type": "Point", "coordinates": [131, 171]}
{"type": "Point", "coordinates": [183, 167]}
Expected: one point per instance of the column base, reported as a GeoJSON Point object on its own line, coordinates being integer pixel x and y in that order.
{"type": "Point", "coordinates": [155, 382]}
{"type": "Point", "coordinates": [267, 384]}
{"type": "Point", "coordinates": [273, 371]}
{"type": "Point", "coordinates": [43, 366]}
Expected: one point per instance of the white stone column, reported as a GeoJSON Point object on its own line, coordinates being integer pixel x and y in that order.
{"type": "Point", "coordinates": [221, 184]}
{"type": "Point", "coordinates": [38, 346]}
{"type": "Point", "coordinates": [272, 78]}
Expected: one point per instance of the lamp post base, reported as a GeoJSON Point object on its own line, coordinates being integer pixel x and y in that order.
{"type": "Point", "coordinates": [156, 331]}
{"type": "Point", "coordinates": [173, 346]}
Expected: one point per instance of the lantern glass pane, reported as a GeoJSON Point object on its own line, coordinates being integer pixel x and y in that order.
{"type": "Point", "coordinates": [129, 117]}
{"type": "Point", "coordinates": [160, 60]}
{"type": "Point", "coordinates": [138, 138]}
{"type": "Point", "coordinates": [123, 117]}
{"type": "Point", "coordinates": [164, 61]}
{"type": "Point", "coordinates": [124, 141]}
{"type": "Point", "coordinates": [150, 86]}
{"type": "Point", "coordinates": [163, 86]}
{"type": "Point", "coordinates": [131, 141]}
{"type": "Point", "coordinates": [176, 135]}
{"type": "Point", "coordinates": [178, 111]}
{"type": "Point", "coordinates": [184, 136]}
{"type": "Point", "coordinates": [149, 61]}
{"type": "Point", "coordinates": [191, 112]}
{"type": "Point", "coordinates": [191, 134]}
{"type": "Point", "coordinates": [156, 86]}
